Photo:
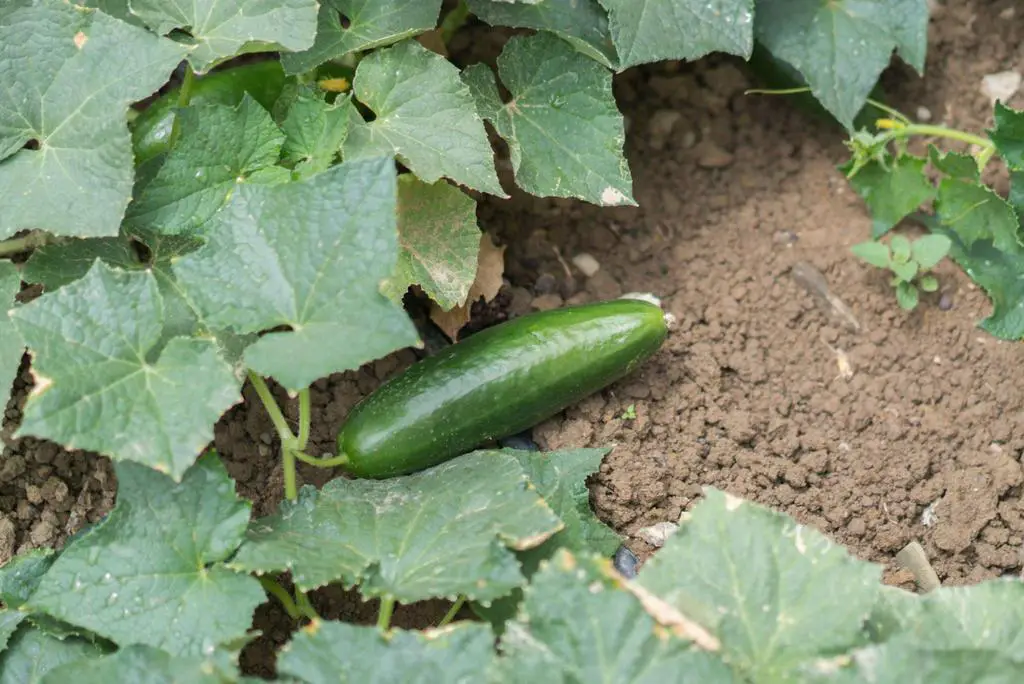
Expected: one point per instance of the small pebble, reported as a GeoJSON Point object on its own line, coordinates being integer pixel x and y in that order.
{"type": "Point", "coordinates": [656, 534]}
{"type": "Point", "coordinates": [946, 301]}
{"type": "Point", "coordinates": [547, 302]}
{"type": "Point", "coordinates": [587, 264]}
{"type": "Point", "coordinates": [545, 284]}
{"type": "Point", "coordinates": [1001, 86]}
{"type": "Point", "coordinates": [626, 562]}
{"type": "Point", "coordinates": [522, 441]}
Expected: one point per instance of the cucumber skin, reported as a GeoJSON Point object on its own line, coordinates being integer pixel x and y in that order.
{"type": "Point", "coordinates": [495, 383]}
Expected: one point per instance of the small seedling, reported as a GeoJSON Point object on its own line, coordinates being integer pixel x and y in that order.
{"type": "Point", "coordinates": [909, 263]}
{"type": "Point", "coordinates": [629, 413]}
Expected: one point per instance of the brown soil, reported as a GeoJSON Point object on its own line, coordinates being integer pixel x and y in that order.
{"type": "Point", "coordinates": [920, 438]}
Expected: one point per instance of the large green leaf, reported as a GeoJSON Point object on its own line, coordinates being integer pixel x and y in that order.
{"type": "Point", "coordinates": [578, 624]}
{"type": "Point", "coordinates": [20, 576]}
{"type": "Point", "coordinates": [345, 26]}
{"type": "Point", "coordinates": [424, 116]}
{"type": "Point", "coordinates": [647, 31]}
{"type": "Point", "coordinates": [337, 652]}
{"type": "Point", "coordinates": [758, 580]}
{"type": "Point", "coordinates": [220, 148]}
{"type": "Point", "coordinates": [32, 653]}
{"type": "Point", "coordinates": [152, 572]}
{"type": "Point", "coordinates": [69, 75]}
{"type": "Point", "coordinates": [103, 384]}
{"type": "Point", "coordinates": [438, 240]}
{"type": "Point", "coordinates": [896, 663]}
{"type": "Point", "coordinates": [258, 271]}
{"type": "Point", "coordinates": [438, 533]}
{"type": "Point", "coordinates": [219, 29]}
{"type": "Point", "coordinates": [140, 664]}
{"type": "Point", "coordinates": [583, 23]}
{"type": "Point", "coordinates": [842, 46]}
{"type": "Point", "coordinates": [564, 132]}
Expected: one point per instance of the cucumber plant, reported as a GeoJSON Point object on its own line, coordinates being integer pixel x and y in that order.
{"type": "Point", "coordinates": [909, 263]}
{"type": "Point", "coordinates": [260, 222]}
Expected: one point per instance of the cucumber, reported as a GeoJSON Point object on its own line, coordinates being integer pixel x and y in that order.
{"type": "Point", "coordinates": [496, 383]}
{"type": "Point", "coordinates": [151, 130]}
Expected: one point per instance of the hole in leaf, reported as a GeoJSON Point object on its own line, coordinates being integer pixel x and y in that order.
{"type": "Point", "coordinates": [32, 145]}
{"type": "Point", "coordinates": [344, 21]}
{"type": "Point", "coordinates": [142, 251]}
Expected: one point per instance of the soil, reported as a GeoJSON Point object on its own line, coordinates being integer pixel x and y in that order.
{"type": "Point", "coordinates": [907, 426]}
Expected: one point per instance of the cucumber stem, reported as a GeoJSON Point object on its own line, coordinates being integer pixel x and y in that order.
{"type": "Point", "coordinates": [450, 615]}
{"type": "Point", "coordinates": [304, 606]}
{"type": "Point", "coordinates": [284, 598]}
{"type": "Point", "coordinates": [289, 442]}
{"type": "Point", "coordinates": [387, 606]}
{"type": "Point", "coordinates": [184, 97]}
{"type": "Point", "coordinates": [304, 419]}
{"type": "Point", "coordinates": [341, 459]}
{"type": "Point", "coordinates": [291, 489]}
{"type": "Point", "coordinates": [273, 410]}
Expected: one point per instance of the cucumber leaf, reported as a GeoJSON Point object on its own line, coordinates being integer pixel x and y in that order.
{"type": "Point", "coordinates": [437, 533]}
{"type": "Point", "coordinates": [314, 131]}
{"type": "Point", "coordinates": [9, 621]}
{"type": "Point", "coordinates": [32, 653]}
{"type": "Point", "coordinates": [975, 212]}
{"type": "Point", "coordinates": [583, 23]}
{"type": "Point", "coordinates": [221, 147]}
{"type": "Point", "coordinates": [258, 272]}
{"type": "Point", "coordinates": [104, 381]}
{"type": "Point", "coordinates": [20, 576]}
{"type": "Point", "coordinates": [424, 116]}
{"type": "Point", "coordinates": [78, 70]}
{"type": "Point", "coordinates": [564, 132]}
{"type": "Point", "coordinates": [219, 29]}
{"type": "Point", "coordinates": [438, 240]}
{"type": "Point", "coordinates": [578, 624]}
{"type": "Point", "coordinates": [758, 580]}
{"type": "Point", "coordinates": [152, 572]}
{"type": "Point", "coordinates": [462, 652]}
{"type": "Point", "coordinates": [842, 46]}
{"type": "Point", "coordinates": [1008, 135]}
{"type": "Point", "coordinates": [345, 26]}
{"type": "Point", "coordinates": [646, 31]}
{"type": "Point", "coordinates": [891, 192]}
{"type": "Point", "coordinates": [12, 348]}
{"type": "Point", "coordinates": [146, 665]}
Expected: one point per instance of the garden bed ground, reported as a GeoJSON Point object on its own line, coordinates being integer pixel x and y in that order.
{"type": "Point", "coordinates": [923, 441]}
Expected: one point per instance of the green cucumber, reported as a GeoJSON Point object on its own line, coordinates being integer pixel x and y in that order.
{"type": "Point", "coordinates": [263, 81]}
{"type": "Point", "coordinates": [496, 383]}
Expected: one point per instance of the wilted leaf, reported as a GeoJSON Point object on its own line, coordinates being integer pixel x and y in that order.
{"type": "Point", "coordinates": [489, 271]}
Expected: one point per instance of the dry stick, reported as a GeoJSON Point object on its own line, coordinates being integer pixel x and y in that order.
{"type": "Point", "coordinates": [914, 559]}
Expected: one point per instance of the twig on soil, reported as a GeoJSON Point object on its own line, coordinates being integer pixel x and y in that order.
{"type": "Point", "coordinates": [914, 559]}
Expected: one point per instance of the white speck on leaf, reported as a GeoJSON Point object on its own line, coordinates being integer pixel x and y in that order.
{"type": "Point", "coordinates": [611, 196]}
{"type": "Point", "coordinates": [80, 40]}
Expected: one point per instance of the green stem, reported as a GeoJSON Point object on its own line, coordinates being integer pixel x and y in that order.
{"type": "Point", "coordinates": [304, 419]}
{"type": "Point", "coordinates": [894, 113]}
{"type": "Point", "coordinates": [450, 615]}
{"type": "Point", "coordinates": [321, 462]}
{"type": "Point", "coordinates": [23, 244]}
{"type": "Point", "coordinates": [277, 591]}
{"type": "Point", "coordinates": [276, 417]}
{"type": "Point", "coordinates": [184, 97]}
{"type": "Point", "coordinates": [304, 606]}
{"type": "Point", "coordinates": [939, 132]}
{"type": "Point", "coordinates": [387, 606]}
{"type": "Point", "coordinates": [453, 21]}
{"type": "Point", "coordinates": [291, 488]}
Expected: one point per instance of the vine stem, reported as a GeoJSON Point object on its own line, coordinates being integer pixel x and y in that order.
{"type": "Point", "coordinates": [321, 462]}
{"type": "Point", "coordinates": [387, 606]}
{"type": "Point", "coordinates": [450, 615]}
{"type": "Point", "coordinates": [903, 130]}
{"type": "Point", "coordinates": [304, 420]}
{"type": "Point", "coordinates": [289, 442]}
{"type": "Point", "coordinates": [184, 97]}
{"type": "Point", "coordinates": [453, 21]}
{"type": "Point", "coordinates": [277, 591]}
{"type": "Point", "coordinates": [23, 244]}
